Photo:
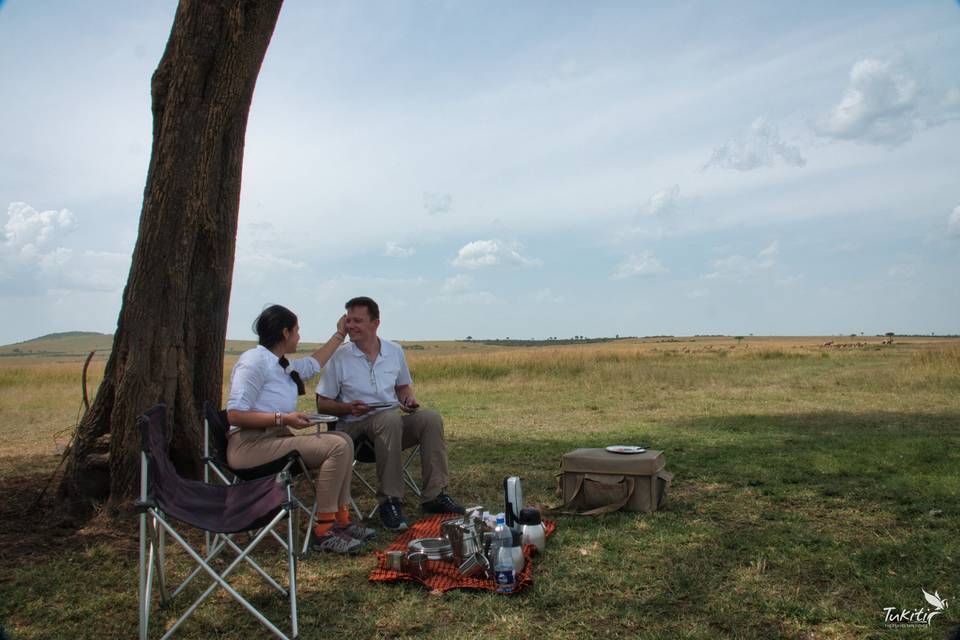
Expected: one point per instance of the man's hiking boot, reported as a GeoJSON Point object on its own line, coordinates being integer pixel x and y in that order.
{"type": "Point", "coordinates": [442, 504]}
{"type": "Point", "coordinates": [391, 515]}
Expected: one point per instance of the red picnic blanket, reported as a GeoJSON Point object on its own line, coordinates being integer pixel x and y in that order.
{"type": "Point", "coordinates": [444, 575]}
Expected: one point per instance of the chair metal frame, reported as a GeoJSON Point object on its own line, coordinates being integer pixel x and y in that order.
{"type": "Point", "coordinates": [216, 465]}
{"type": "Point", "coordinates": [155, 525]}
{"type": "Point", "coordinates": [364, 443]}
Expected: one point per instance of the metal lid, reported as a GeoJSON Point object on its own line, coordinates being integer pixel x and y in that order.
{"type": "Point", "coordinates": [435, 548]}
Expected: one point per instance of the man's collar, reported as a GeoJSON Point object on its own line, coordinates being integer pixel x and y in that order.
{"type": "Point", "coordinates": [358, 352]}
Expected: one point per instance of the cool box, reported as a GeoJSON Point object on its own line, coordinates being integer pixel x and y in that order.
{"type": "Point", "coordinates": [594, 481]}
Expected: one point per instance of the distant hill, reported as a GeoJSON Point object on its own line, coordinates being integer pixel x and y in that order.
{"type": "Point", "coordinates": [61, 336]}
{"type": "Point", "coordinates": [68, 344]}
{"type": "Point", "coordinates": [75, 345]}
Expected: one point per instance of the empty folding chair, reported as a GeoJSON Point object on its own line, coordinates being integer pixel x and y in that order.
{"type": "Point", "coordinates": [215, 430]}
{"type": "Point", "coordinates": [260, 505]}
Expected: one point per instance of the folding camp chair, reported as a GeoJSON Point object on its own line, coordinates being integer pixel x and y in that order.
{"type": "Point", "coordinates": [363, 451]}
{"type": "Point", "coordinates": [261, 505]}
{"type": "Point", "coordinates": [215, 430]}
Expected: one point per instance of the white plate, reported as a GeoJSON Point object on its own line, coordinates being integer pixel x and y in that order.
{"type": "Point", "coordinates": [382, 405]}
{"type": "Point", "coordinates": [622, 448]}
{"type": "Point", "coordinates": [321, 417]}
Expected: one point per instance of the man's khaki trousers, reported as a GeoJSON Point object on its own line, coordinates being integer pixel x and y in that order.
{"type": "Point", "coordinates": [391, 432]}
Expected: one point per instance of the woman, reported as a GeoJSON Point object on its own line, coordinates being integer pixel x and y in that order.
{"type": "Point", "coordinates": [264, 387]}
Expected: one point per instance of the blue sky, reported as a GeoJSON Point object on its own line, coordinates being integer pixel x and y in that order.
{"type": "Point", "coordinates": [525, 169]}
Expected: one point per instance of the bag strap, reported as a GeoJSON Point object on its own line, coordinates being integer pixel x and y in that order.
{"type": "Point", "coordinates": [628, 483]}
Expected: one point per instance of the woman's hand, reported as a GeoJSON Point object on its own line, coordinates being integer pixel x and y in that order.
{"type": "Point", "coordinates": [342, 325]}
{"type": "Point", "coordinates": [296, 419]}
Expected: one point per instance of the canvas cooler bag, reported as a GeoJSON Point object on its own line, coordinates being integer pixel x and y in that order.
{"type": "Point", "coordinates": [595, 481]}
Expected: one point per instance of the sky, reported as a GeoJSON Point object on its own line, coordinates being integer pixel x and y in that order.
{"type": "Point", "coordinates": [525, 170]}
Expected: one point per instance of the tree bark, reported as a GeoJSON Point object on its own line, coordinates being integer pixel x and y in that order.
{"type": "Point", "coordinates": [171, 331]}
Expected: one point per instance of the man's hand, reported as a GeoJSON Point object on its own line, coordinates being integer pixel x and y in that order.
{"type": "Point", "coordinates": [409, 404]}
{"type": "Point", "coordinates": [359, 408]}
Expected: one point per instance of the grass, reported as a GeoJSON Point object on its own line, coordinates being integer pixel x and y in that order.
{"type": "Point", "coordinates": [814, 487]}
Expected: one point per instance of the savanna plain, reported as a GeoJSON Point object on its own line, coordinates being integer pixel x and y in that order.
{"type": "Point", "coordinates": [816, 485]}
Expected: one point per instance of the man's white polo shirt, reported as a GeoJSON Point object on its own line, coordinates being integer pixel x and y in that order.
{"type": "Point", "coordinates": [350, 376]}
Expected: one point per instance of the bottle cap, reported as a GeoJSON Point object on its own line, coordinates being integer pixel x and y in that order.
{"type": "Point", "coordinates": [501, 519]}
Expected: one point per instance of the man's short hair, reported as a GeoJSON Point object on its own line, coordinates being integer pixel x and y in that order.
{"type": "Point", "coordinates": [373, 309]}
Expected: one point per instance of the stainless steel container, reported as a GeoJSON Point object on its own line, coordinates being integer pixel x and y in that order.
{"type": "Point", "coordinates": [435, 548]}
{"type": "Point", "coordinates": [415, 563]}
{"type": "Point", "coordinates": [465, 536]}
{"type": "Point", "coordinates": [395, 560]}
{"type": "Point", "coordinates": [475, 566]}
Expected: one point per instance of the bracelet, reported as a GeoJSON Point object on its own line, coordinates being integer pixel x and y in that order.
{"type": "Point", "coordinates": [279, 419]}
{"type": "Point", "coordinates": [342, 336]}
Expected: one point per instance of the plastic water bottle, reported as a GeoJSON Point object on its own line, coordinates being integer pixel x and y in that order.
{"type": "Point", "coordinates": [503, 570]}
{"type": "Point", "coordinates": [501, 555]}
{"type": "Point", "coordinates": [502, 537]}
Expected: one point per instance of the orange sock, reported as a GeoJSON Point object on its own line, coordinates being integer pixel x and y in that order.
{"type": "Point", "coordinates": [343, 515]}
{"type": "Point", "coordinates": [324, 523]}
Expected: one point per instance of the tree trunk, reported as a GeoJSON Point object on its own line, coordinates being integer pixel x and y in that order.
{"type": "Point", "coordinates": [171, 331]}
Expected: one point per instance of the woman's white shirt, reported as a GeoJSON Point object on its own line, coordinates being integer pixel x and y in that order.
{"type": "Point", "coordinates": [259, 383]}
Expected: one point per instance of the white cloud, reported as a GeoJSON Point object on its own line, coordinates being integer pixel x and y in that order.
{"type": "Point", "coordinates": [642, 264]}
{"type": "Point", "coordinates": [902, 270]}
{"type": "Point", "coordinates": [848, 246]}
{"type": "Point", "coordinates": [26, 228]}
{"type": "Point", "coordinates": [663, 202]}
{"type": "Point", "coordinates": [456, 290]}
{"type": "Point", "coordinates": [33, 258]}
{"type": "Point", "coordinates": [953, 222]}
{"type": "Point", "coordinates": [879, 105]}
{"type": "Point", "coordinates": [492, 253]}
{"type": "Point", "coordinates": [476, 297]}
{"type": "Point", "coordinates": [885, 103]}
{"type": "Point", "coordinates": [257, 268]}
{"type": "Point", "coordinates": [393, 250]}
{"type": "Point", "coordinates": [948, 109]}
{"type": "Point", "coordinates": [262, 260]}
{"type": "Point", "coordinates": [760, 146]}
{"type": "Point", "coordinates": [547, 296]}
{"type": "Point", "coordinates": [768, 255]}
{"type": "Point", "coordinates": [468, 298]}
{"type": "Point", "coordinates": [435, 203]}
{"type": "Point", "coordinates": [456, 283]}
{"type": "Point", "coordinates": [738, 266]}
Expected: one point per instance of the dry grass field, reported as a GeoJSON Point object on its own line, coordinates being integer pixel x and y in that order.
{"type": "Point", "coordinates": [816, 485]}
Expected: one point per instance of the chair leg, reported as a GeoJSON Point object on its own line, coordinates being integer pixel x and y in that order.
{"type": "Point", "coordinates": [292, 560]}
{"type": "Point", "coordinates": [356, 509]}
{"type": "Point", "coordinates": [311, 520]}
{"type": "Point", "coordinates": [312, 512]}
{"type": "Point", "coordinates": [149, 567]}
{"type": "Point", "coordinates": [143, 590]}
{"type": "Point", "coordinates": [156, 557]}
{"type": "Point", "coordinates": [219, 579]}
{"type": "Point", "coordinates": [363, 481]}
{"type": "Point", "coordinates": [407, 476]}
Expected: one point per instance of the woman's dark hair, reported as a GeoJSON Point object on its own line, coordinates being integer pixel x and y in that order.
{"type": "Point", "coordinates": [271, 322]}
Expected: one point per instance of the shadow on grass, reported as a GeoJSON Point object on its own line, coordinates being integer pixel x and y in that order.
{"type": "Point", "coordinates": [799, 525]}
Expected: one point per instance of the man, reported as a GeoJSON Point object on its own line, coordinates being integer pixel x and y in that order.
{"type": "Point", "coordinates": [371, 371]}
